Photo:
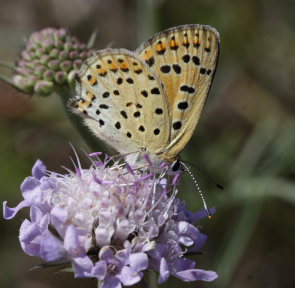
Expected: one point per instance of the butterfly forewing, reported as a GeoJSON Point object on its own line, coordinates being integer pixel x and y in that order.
{"type": "Point", "coordinates": [123, 102]}
{"type": "Point", "coordinates": [184, 58]}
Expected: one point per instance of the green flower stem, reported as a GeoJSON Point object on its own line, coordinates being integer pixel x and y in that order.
{"type": "Point", "coordinates": [152, 279]}
{"type": "Point", "coordinates": [77, 121]}
{"type": "Point", "coordinates": [7, 65]}
{"type": "Point", "coordinates": [8, 81]}
{"type": "Point", "coordinates": [142, 284]}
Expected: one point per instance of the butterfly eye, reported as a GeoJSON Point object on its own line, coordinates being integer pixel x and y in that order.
{"type": "Point", "coordinates": [176, 165]}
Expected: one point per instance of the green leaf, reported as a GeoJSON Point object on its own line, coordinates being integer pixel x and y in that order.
{"type": "Point", "coordinates": [45, 265]}
{"type": "Point", "coordinates": [67, 270]}
{"type": "Point", "coordinates": [92, 39]}
{"type": "Point", "coordinates": [237, 240]}
{"type": "Point", "coordinates": [262, 187]}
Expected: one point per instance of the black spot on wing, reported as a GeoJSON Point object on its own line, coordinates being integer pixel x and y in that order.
{"type": "Point", "coordinates": [103, 74]}
{"type": "Point", "coordinates": [114, 70]}
{"type": "Point", "coordinates": [150, 61]}
{"type": "Point", "coordinates": [196, 60]}
{"type": "Point", "coordinates": [138, 71]}
{"type": "Point", "coordinates": [130, 80]}
{"type": "Point", "coordinates": [186, 58]}
{"type": "Point", "coordinates": [176, 68]}
{"type": "Point", "coordinates": [144, 93]}
{"type": "Point", "coordinates": [176, 125]}
{"type": "Point", "coordinates": [182, 105]}
{"type": "Point", "coordinates": [165, 68]}
{"type": "Point", "coordinates": [186, 88]}
{"type": "Point", "coordinates": [119, 81]}
{"type": "Point", "coordinates": [203, 71]}
{"type": "Point", "coordinates": [106, 95]}
{"type": "Point", "coordinates": [157, 131]}
{"type": "Point", "coordinates": [124, 114]}
{"type": "Point", "coordinates": [155, 91]}
{"type": "Point", "coordinates": [118, 125]}
{"type": "Point", "coordinates": [159, 111]}
{"type": "Point", "coordinates": [103, 106]}
{"type": "Point", "coordinates": [124, 69]}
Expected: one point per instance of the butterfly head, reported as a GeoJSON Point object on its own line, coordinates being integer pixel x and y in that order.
{"type": "Point", "coordinates": [177, 166]}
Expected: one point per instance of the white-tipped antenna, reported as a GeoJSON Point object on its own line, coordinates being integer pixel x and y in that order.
{"type": "Point", "coordinates": [199, 189]}
{"type": "Point", "coordinates": [204, 173]}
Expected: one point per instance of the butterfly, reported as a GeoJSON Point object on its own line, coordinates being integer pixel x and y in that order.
{"type": "Point", "coordinates": [150, 100]}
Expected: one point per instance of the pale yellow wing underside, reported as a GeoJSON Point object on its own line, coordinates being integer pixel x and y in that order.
{"type": "Point", "coordinates": [123, 102]}
{"type": "Point", "coordinates": [184, 59]}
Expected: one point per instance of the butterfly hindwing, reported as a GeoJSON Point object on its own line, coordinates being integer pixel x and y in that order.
{"type": "Point", "coordinates": [123, 101]}
{"type": "Point", "coordinates": [184, 58]}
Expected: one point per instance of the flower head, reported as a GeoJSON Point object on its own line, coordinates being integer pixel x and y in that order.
{"type": "Point", "coordinates": [110, 222]}
{"type": "Point", "coordinates": [47, 60]}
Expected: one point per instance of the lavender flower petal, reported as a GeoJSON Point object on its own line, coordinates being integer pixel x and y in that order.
{"type": "Point", "coordinates": [138, 261]}
{"type": "Point", "coordinates": [129, 276]}
{"type": "Point", "coordinates": [30, 233]}
{"type": "Point", "coordinates": [99, 270]}
{"type": "Point", "coordinates": [9, 213]}
{"type": "Point", "coordinates": [58, 218]}
{"type": "Point", "coordinates": [38, 170]}
{"type": "Point", "coordinates": [72, 242]}
{"type": "Point", "coordinates": [111, 282]}
{"type": "Point", "coordinates": [31, 248]}
{"type": "Point", "coordinates": [194, 217]}
{"type": "Point", "coordinates": [164, 271]}
{"type": "Point", "coordinates": [82, 267]}
{"type": "Point", "coordinates": [52, 249]}
{"type": "Point", "coordinates": [196, 274]}
{"type": "Point", "coordinates": [31, 190]}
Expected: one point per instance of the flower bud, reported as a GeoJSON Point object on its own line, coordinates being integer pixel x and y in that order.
{"type": "Point", "coordinates": [43, 87]}
{"type": "Point", "coordinates": [47, 60]}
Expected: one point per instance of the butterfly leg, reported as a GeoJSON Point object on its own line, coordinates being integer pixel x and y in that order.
{"type": "Point", "coordinates": [121, 155]}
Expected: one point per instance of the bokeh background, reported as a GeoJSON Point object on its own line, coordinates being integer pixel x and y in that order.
{"type": "Point", "coordinates": [245, 139]}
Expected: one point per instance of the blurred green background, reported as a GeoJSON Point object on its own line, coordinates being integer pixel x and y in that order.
{"type": "Point", "coordinates": [245, 139]}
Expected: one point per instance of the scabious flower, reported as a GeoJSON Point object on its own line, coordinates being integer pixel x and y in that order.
{"type": "Point", "coordinates": [110, 222]}
{"type": "Point", "coordinates": [47, 60]}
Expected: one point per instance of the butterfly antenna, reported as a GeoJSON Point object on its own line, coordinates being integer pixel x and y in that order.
{"type": "Point", "coordinates": [199, 189]}
{"type": "Point", "coordinates": [204, 173]}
